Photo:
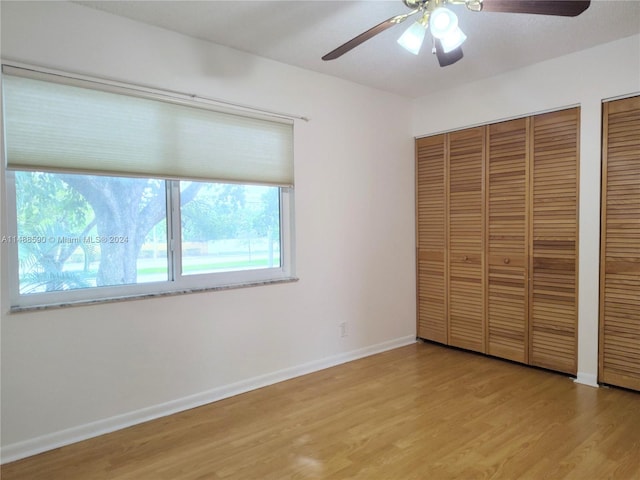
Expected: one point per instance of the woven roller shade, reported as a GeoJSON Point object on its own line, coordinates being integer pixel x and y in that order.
{"type": "Point", "coordinates": [82, 126]}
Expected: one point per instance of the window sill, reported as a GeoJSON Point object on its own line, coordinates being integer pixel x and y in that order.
{"type": "Point", "coordinates": [143, 296]}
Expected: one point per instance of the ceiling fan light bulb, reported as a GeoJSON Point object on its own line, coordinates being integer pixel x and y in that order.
{"type": "Point", "coordinates": [442, 22]}
{"type": "Point", "coordinates": [453, 40]}
{"type": "Point", "coordinates": [413, 37]}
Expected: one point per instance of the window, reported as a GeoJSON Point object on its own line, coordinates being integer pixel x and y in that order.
{"type": "Point", "coordinates": [98, 211]}
{"type": "Point", "coordinates": [81, 231]}
{"type": "Point", "coordinates": [228, 227]}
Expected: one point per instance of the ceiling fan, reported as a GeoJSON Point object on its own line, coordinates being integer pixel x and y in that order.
{"type": "Point", "coordinates": [447, 35]}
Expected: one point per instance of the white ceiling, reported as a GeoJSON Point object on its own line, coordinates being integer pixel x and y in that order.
{"type": "Point", "coordinates": [300, 32]}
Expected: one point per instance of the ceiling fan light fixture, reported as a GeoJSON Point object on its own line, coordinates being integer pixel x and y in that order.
{"type": "Point", "coordinates": [442, 22]}
{"type": "Point", "coordinates": [453, 40]}
{"type": "Point", "coordinates": [413, 37]}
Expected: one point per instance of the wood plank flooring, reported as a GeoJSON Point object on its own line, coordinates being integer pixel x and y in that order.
{"type": "Point", "coordinates": [417, 412]}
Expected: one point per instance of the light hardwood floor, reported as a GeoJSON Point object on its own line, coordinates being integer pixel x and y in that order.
{"type": "Point", "coordinates": [418, 412]}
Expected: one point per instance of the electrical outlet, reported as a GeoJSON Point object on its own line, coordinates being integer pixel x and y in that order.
{"type": "Point", "coordinates": [343, 329]}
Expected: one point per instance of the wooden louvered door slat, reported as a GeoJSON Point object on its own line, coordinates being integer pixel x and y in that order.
{"type": "Point", "coordinates": [431, 241]}
{"type": "Point", "coordinates": [507, 264]}
{"type": "Point", "coordinates": [554, 241]}
{"type": "Point", "coordinates": [619, 362]}
{"type": "Point", "coordinates": [465, 239]}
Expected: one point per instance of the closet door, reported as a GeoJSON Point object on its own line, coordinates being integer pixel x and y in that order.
{"type": "Point", "coordinates": [465, 239]}
{"type": "Point", "coordinates": [507, 263]}
{"type": "Point", "coordinates": [554, 241]}
{"type": "Point", "coordinates": [620, 257]}
{"type": "Point", "coordinates": [431, 218]}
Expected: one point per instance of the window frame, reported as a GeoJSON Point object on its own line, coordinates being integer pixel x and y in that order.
{"type": "Point", "coordinates": [177, 283]}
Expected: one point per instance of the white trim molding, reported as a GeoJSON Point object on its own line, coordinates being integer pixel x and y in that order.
{"type": "Point", "coordinates": [587, 379]}
{"type": "Point", "coordinates": [27, 448]}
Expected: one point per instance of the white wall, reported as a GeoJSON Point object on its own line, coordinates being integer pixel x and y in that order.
{"type": "Point", "coordinates": [73, 372]}
{"type": "Point", "coordinates": [584, 78]}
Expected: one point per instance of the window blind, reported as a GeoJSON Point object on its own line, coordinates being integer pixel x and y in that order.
{"type": "Point", "coordinates": [60, 124]}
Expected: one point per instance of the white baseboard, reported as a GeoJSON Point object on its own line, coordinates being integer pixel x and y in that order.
{"type": "Point", "coordinates": [587, 379]}
{"type": "Point", "coordinates": [27, 448]}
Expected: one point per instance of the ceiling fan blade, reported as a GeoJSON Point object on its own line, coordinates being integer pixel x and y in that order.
{"type": "Point", "coordinates": [564, 8]}
{"type": "Point", "coordinates": [447, 58]}
{"type": "Point", "coordinates": [363, 37]}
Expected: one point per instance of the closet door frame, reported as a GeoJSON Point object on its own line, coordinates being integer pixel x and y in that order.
{"type": "Point", "coordinates": [603, 236]}
{"type": "Point", "coordinates": [529, 250]}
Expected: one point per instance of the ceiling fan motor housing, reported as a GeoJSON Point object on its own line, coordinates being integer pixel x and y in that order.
{"type": "Point", "coordinates": [473, 5]}
{"type": "Point", "coordinates": [415, 3]}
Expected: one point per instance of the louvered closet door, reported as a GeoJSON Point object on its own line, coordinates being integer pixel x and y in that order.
{"type": "Point", "coordinates": [507, 263]}
{"type": "Point", "coordinates": [465, 237]}
{"type": "Point", "coordinates": [620, 267]}
{"type": "Point", "coordinates": [431, 214]}
{"type": "Point", "coordinates": [554, 241]}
